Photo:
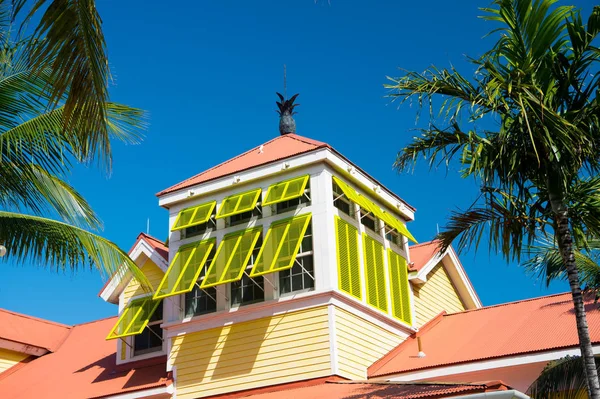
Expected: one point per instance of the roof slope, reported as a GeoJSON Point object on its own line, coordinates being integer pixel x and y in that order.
{"type": "Point", "coordinates": [31, 331]}
{"type": "Point", "coordinates": [155, 243]}
{"type": "Point", "coordinates": [421, 254]}
{"type": "Point", "coordinates": [84, 366]}
{"type": "Point", "coordinates": [334, 388]}
{"type": "Point", "coordinates": [532, 325]}
{"type": "Point", "coordinates": [280, 147]}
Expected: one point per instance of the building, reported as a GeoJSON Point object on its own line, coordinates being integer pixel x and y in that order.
{"type": "Point", "coordinates": [289, 273]}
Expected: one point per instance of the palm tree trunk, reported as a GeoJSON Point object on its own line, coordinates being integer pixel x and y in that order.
{"type": "Point", "coordinates": [565, 243]}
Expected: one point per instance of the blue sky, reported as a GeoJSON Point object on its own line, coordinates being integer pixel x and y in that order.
{"type": "Point", "coordinates": [207, 73]}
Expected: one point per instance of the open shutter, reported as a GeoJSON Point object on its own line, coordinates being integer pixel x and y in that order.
{"type": "Point", "coordinates": [239, 203]}
{"type": "Point", "coordinates": [185, 268]}
{"type": "Point", "coordinates": [134, 318]}
{"type": "Point", "coordinates": [286, 190]}
{"type": "Point", "coordinates": [231, 258]}
{"type": "Point", "coordinates": [194, 215]}
{"type": "Point", "coordinates": [281, 245]}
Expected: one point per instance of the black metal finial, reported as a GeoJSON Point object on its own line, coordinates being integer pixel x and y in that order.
{"type": "Point", "coordinates": [287, 124]}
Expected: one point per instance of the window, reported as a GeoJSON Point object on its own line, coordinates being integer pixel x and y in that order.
{"type": "Point", "coordinates": [194, 231]}
{"type": "Point", "coordinates": [340, 201]}
{"type": "Point", "coordinates": [245, 217]}
{"type": "Point", "coordinates": [393, 237]}
{"type": "Point", "coordinates": [134, 318]}
{"type": "Point", "coordinates": [368, 220]}
{"type": "Point", "coordinates": [150, 340]}
{"type": "Point", "coordinates": [294, 203]}
{"type": "Point", "coordinates": [301, 277]}
{"type": "Point", "coordinates": [249, 290]}
{"type": "Point", "coordinates": [201, 301]}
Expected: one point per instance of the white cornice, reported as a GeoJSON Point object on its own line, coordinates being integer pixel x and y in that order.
{"type": "Point", "coordinates": [154, 393]}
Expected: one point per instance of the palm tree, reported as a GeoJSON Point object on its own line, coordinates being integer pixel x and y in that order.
{"type": "Point", "coordinates": [537, 87]}
{"type": "Point", "coordinates": [54, 112]}
{"type": "Point", "coordinates": [561, 379]}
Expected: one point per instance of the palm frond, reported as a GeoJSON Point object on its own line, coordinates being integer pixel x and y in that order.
{"type": "Point", "coordinates": [49, 243]}
{"type": "Point", "coordinates": [561, 379]}
{"type": "Point", "coordinates": [69, 40]}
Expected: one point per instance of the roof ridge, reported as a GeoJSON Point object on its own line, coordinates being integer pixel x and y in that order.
{"type": "Point", "coordinates": [307, 140]}
{"type": "Point", "coordinates": [94, 321]}
{"type": "Point", "coordinates": [218, 165]}
{"type": "Point", "coordinates": [423, 244]}
{"type": "Point", "coordinates": [148, 236]}
{"type": "Point", "coordinates": [507, 303]}
{"type": "Point", "coordinates": [26, 316]}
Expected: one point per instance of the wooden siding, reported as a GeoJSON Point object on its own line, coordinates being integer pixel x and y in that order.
{"type": "Point", "coordinates": [153, 273]}
{"type": "Point", "coordinates": [9, 358]}
{"type": "Point", "coordinates": [359, 344]}
{"type": "Point", "coordinates": [437, 294]}
{"type": "Point", "coordinates": [256, 353]}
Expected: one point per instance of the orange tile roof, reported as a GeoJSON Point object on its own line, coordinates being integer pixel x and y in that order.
{"type": "Point", "coordinates": [420, 254]}
{"type": "Point", "coordinates": [31, 331]}
{"type": "Point", "coordinates": [83, 366]}
{"type": "Point", "coordinates": [528, 326]}
{"type": "Point", "coordinates": [335, 388]}
{"type": "Point", "coordinates": [279, 148]}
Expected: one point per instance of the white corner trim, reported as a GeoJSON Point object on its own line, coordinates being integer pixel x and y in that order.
{"type": "Point", "coordinates": [332, 340]}
{"type": "Point", "coordinates": [509, 394]}
{"type": "Point", "coordinates": [466, 283]}
{"type": "Point", "coordinates": [167, 391]}
{"type": "Point", "coordinates": [506, 361]}
{"type": "Point", "coordinates": [420, 277]}
{"type": "Point", "coordinates": [119, 280]}
{"type": "Point", "coordinates": [22, 348]}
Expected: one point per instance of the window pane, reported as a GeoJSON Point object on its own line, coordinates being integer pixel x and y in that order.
{"type": "Point", "coordinates": [198, 302]}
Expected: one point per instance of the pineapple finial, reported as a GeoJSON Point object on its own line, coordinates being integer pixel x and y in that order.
{"type": "Point", "coordinates": [287, 124]}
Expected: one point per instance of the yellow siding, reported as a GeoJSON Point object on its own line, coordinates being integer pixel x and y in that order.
{"type": "Point", "coordinates": [9, 359]}
{"type": "Point", "coordinates": [359, 344]}
{"type": "Point", "coordinates": [153, 273]}
{"type": "Point", "coordinates": [437, 294]}
{"type": "Point", "coordinates": [252, 354]}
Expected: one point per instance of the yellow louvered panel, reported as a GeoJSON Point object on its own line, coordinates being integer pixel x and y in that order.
{"type": "Point", "coordinates": [348, 257]}
{"type": "Point", "coordinates": [239, 203]}
{"type": "Point", "coordinates": [399, 290]}
{"type": "Point", "coordinates": [134, 318]}
{"type": "Point", "coordinates": [194, 215]}
{"type": "Point", "coordinates": [281, 245]}
{"type": "Point", "coordinates": [286, 190]}
{"type": "Point", "coordinates": [231, 258]}
{"type": "Point", "coordinates": [375, 273]}
{"type": "Point", "coordinates": [185, 268]}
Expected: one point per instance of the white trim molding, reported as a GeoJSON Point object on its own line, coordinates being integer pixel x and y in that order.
{"type": "Point", "coordinates": [154, 393]}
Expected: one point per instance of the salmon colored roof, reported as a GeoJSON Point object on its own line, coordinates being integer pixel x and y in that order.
{"type": "Point", "coordinates": [279, 148]}
{"type": "Point", "coordinates": [335, 388]}
{"type": "Point", "coordinates": [155, 243]}
{"type": "Point", "coordinates": [31, 331]}
{"type": "Point", "coordinates": [422, 253]}
{"type": "Point", "coordinates": [528, 326]}
{"type": "Point", "coordinates": [83, 366]}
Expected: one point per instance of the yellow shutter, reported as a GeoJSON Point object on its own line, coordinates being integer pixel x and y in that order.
{"type": "Point", "coordinates": [399, 289]}
{"type": "Point", "coordinates": [194, 215]}
{"type": "Point", "coordinates": [185, 268]}
{"type": "Point", "coordinates": [281, 245]}
{"type": "Point", "coordinates": [375, 273]}
{"type": "Point", "coordinates": [348, 259]}
{"type": "Point", "coordinates": [396, 224]}
{"type": "Point", "coordinates": [231, 258]}
{"type": "Point", "coordinates": [134, 318]}
{"type": "Point", "coordinates": [286, 190]}
{"type": "Point", "coordinates": [239, 203]}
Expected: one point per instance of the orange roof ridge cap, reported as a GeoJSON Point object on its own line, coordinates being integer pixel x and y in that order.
{"type": "Point", "coordinates": [26, 316]}
{"type": "Point", "coordinates": [508, 303]}
{"type": "Point", "coordinates": [431, 323]}
{"type": "Point", "coordinates": [423, 243]}
{"type": "Point", "coordinates": [308, 140]}
{"type": "Point", "coordinates": [181, 183]}
{"type": "Point", "coordinates": [93, 321]}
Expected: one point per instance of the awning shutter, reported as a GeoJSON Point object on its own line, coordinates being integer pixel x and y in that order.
{"type": "Point", "coordinates": [239, 203]}
{"type": "Point", "coordinates": [134, 318]}
{"type": "Point", "coordinates": [281, 245]}
{"type": "Point", "coordinates": [185, 268]}
{"type": "Point", "coordinates": [231, 258]}
{"type": "Point", "coordinates": [286, 190]}
{"type": "Point", "coordinates": [194, 215]}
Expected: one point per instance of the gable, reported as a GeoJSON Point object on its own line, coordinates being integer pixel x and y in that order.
{"type": "Point", "coordinates": [153, 273]}
{"type": "Point", "coordinates": [437, 294]}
